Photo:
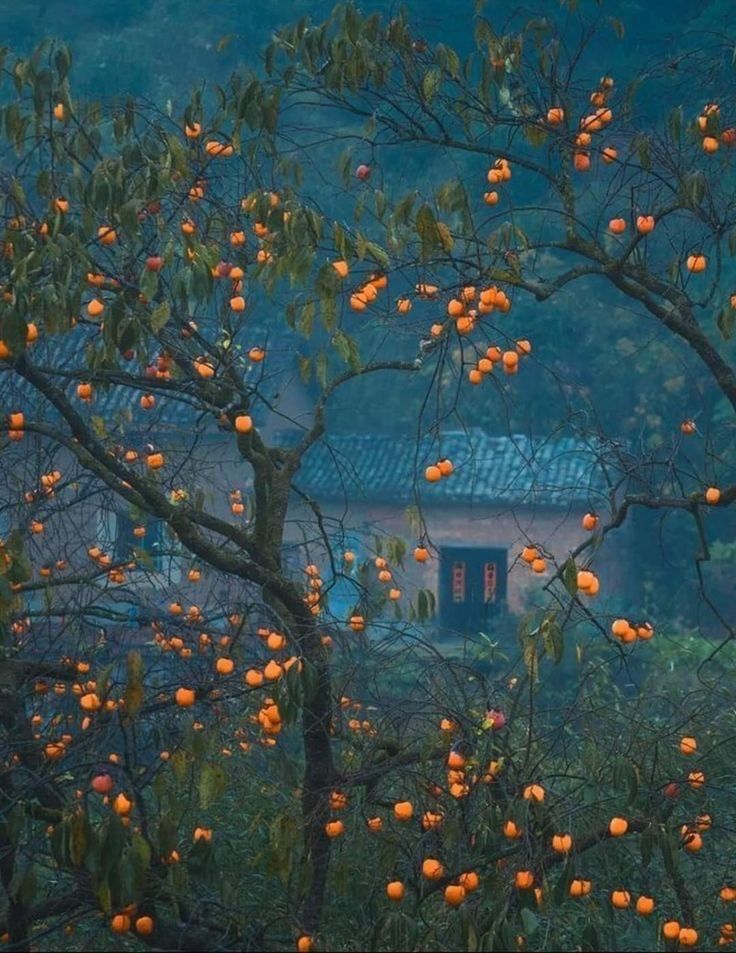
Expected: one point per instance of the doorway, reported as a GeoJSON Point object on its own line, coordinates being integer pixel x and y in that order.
{"type": "Point", "coordinates": [472, 587]}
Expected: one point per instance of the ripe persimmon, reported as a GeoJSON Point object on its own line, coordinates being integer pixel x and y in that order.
{"type": "Point", "coordinates": [688, 745]}
{"type": "Point", "coordinates": [395, 890]}
{"type": "Point", "coordinates": [185, 697]}
{"type": "Point", "coordinates": [454, 895]}
{"type": "Point", "coordinates": [644, 905]}
{"type": "Point", "coordinates": [580, 888]}
{"type": "Point", "coordinates": [621, 899]}
{"type": "Point", "coordinates": [144, 926]}
{"type": "Point", "coordinates": [120, 923]}
{"type": "Point", "coordinates": [403, 810]}
{"type": "Point", "coordinates": [618, 826]}
{"type": "Point", "coordinates": [562, 843]}
{"type": "Point", "coordinates": [334, 829]}
{"type": "Point", "coordinates": [432, 869]}
{"type": "Point", "coordinates": [696, 263]}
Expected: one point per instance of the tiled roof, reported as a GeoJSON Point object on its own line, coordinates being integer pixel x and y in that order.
{"type": "Point", "coordinates": [373, 467]}
{"type": "Point", "coordinates": [67, 352]}
{"type": "Point", "coordinates": [506, 470]}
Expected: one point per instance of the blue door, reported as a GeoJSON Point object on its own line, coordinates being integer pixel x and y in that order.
{"type": "Point", "coordinates": [472, 587]}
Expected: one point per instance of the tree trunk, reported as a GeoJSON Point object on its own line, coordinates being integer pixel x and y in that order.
{"type": "Point", "coordinates": [318, 779]}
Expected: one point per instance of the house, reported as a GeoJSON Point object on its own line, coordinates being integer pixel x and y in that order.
{"type": "Point", "coordinates": [505, 493]}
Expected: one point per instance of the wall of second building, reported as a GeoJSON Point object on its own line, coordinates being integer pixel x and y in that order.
{"type": "Point", "coordinates": [556, 530]}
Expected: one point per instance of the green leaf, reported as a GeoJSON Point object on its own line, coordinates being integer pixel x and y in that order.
{"type": "Point", "coordinates": [448, 59]}
{"type": "Point", "coordinates": [104, 897]}
{"type": "Point", "coordinates": [530, 655]}
{"type": "Point", "coordinates": [675, 122]}
{"type": "Point", "coordinates": [60, 844]}
{"type": "Point", "coordinates": [426, 225]}
{"type": "Point", "coordinates": [282, 834]}
{"type": "Point", "coordinates": [148, 283]}
{"type": "Point", "coordinates": [625, 776]}
{"type": "Point", "coordinates": [113, 844]}
{"type": "Point", "coordinates": [426, 604]}
{"type": "Point", "coordinates": [377, 254]}
{"type": "Point", "coordinates": [414, 519]}
{"type": "Point", "coordinates": [692, 189]}
{"type": "Point", "coordinates": [63, 62]}
{"type": "Point", "coordinates": [43, 183]}
{"type": "Point", "coordinates": [669, 855]}
{"type": "Point", "coordinates": [344, 165]}
{"type": "Point", "coordinates": [305, 368]}
{"type": "Point", "coordinates": [320, 367]}
{"type": "Point", "coordinates": [98, 426]}
{"type": "Point", "coordinates": [552, 640]}
{"type": "Point", "coordinates": [560, 890]}
{"type": "Point", "coordinates": [643, 151]}
{"type": "Point", "coordinates": [78, 828]}
{"type": "Point", "coordinates": [402, 210]}
{"type": "Point", "coordinates": [431, 82]}
{"type": "Point", "coordinates": [160, 316]}
{"type": "Point", "coordinates": [646, 845]}
{"type": "Point", "coordinates": [141, 850]}
{"type": "Point", "coordinates": [725, 321]}
{"type": "Point", "coordinates": [213, 783]}
{"type": "Point", "coordinates": [446, 239]}
{"type": "Point", "coordinates": [128, 215]}
{"type": "Point", "coordinates": [42, 86]}
{"type": "Point", "coordinates": [535, 134]}
{"type": "Point", "coordinates": [326, 286]}
{"type": "Point", "coordinates": [167, 836]}
{"type": "Point", "coordinates": [530, 920]}
{"type": "Point", "coordinates": [570, 576]}
{"type": "Point", "coordinates": [306, 319]}
{"type": "Point", "coordinates": [348, 350]}
{"type": "Point", "coordinates": [180, 764]}
{"type": "Point", "coordinates": [431, 233]}
{"type": "Point", "coordinates": [24, 886]}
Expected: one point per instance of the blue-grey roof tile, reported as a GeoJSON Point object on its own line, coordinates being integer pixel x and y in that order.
{"type": "Point", "coordinates": [505, 470]}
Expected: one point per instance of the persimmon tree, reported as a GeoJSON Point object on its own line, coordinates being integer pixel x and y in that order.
{"type": "Point", "coordinates": [245, 768]}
